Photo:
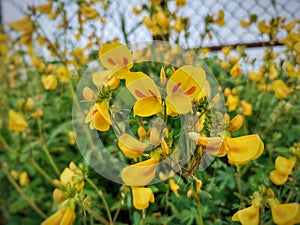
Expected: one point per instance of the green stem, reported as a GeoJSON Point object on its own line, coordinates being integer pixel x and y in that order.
{"type": "Point", "coordinates": [198, 203]}
{"type": "Point", "coordinates": [40, 170]}
{"type": "Point", "coordinates": [6, 147]}
{"type": "Point", "coordinates": [30, 202]}
{"type": "Point", "coordinates": [119, 208]}
{"type": "Point", "coordinates": [238, 175]}
{"type": "Point", "coordinates": [99, 192]}
{"type": "Point", "coordinates": [50, 159]}
{"type": "Point", "coordinates": [96, 216]}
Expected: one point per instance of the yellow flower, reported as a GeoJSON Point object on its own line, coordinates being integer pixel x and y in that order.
{"type": "Point", "coordinates": [244, 149]}
{"type": "Point", "coordinates": [247, 108]}
{"type": "Point", "coordinates": [226, 50]}
{"type": "Point", "coordinates": [140, 174]}
{"type": "Point", "coordinates": [288, 27]}
{"type": "Point", "coordinates": [130, 146]}
{"type": "Point", "coordinates": [29, 104]}
{"type": "Point", "coordinates": [236, 70]}
{"type": "Point", "coordinates": [71, 135]}
{"type": "Point", "coordinates": [24, 25]}
{"type": "Point", "coordinates": [45, 8]}
{"type": "Point", "coordinates": [72, 175]}
{"type": "Point", "coordinates": [289, 67]}
{"type": "Point", "coordinates": [61, 217]}
{"type": "Point", "coordinates": [99, 117]}
{"type": "Point", "coordinates": [232, 102]}
{"type": "Point", "coordinates": [247, 216]}
{"type": "Point", "coordinates": [23, 178]}
{"type": "Point", "coordinates": [184, 85]}
{"type": "Point", "coordinates": [37, 114]}
{"type": "Point", "coordinates": [174, 187]}
{"type": "Point", "coordinates": [220, 19]}
{"type": "Point", "coordinates": [297, 47]}
{"type": "Point", "coordinates": [281, 89]}
{"type": "Point", "coordinates": [263, 27]}
{"type": "Point", "coordinates": [49, 82]}
{"type": "Point", "coordinates": [141, 197]}
{"type": "Point", "coordinates": [273, 72]}
{"type": "Point", "coordinates": [162, 19]}
{"type": "Point", "coordinates": [136, 11]}
{"type": "Point", "coordinates": [17, 121]}
{"type": "Point", "coordinates": [180, 3]}
{"type": "Point", "coordinates": [283, 168]}
{"type": "Point", "coordinates": [141, 132]}
{"type": "Point", "coordinates": [288, 213]}
{"type": "Point", "coordinates": [89, 12]}
{"type": "Point", "coordinates": [255, 76]}
{"type": "Point", "coordinates": [178, 24]}
{"type": "Point", "coordinates": [244, 23]}
{"type": "Point", "coordinates": [58, 195]}
{"type": "Point", "coordinates": [237, 122]}
{"type": "Point", "coordinates": [63, 73]}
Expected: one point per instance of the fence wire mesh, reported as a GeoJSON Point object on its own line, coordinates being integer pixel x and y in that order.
{"type": "Point", "coordinates": [229, 34]}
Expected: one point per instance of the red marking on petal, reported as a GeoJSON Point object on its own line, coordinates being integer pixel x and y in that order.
{"type": "Point", "coordinates": [111, 61]}
{"type": "Point", "coordinates": [95, 111]}
{"type": "Point", "coordinates": [153, 94]}
{"type": "Point", "coordinates": [125, 61]}
{"type": "Point", "coordinates": [149, 171]}
{"type": "Point", "coordinates": [175, 88]}
{"type": "Point", "coordinates": [139, 94]}
{"type": "Point", "coordinates": [191, 90]}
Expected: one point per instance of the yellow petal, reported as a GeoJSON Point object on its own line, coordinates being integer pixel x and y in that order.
{"type": "Point", "coordinates": [255, 76]}
{"type": "Point", "coordinates": [130, 146]}
{"type": "Point", "coordinates": [69, 217]}
{"type": "Point", "coordinates": [245, 148]}
{"type": "Point", "coordinates": [66, 176]}
{"type": "Point", "coordinates": [278, 178]}
{"type": "Point", "coordinates": [102, 119]}
{"type": "Point", "coordinates": [17, 121]}
{"type": "Point", "coordinates": [23, 178]}
{"type": "Point", "coordinates": [297, 47]}
{"type": "Point", "coordinates": [179, 102]}
{"type": "Point", "coordinates": [25, 25]}
{"type": "Point", "coordinates": [247, 216]}
{"type": "Point", "coordinates": [237, 122]}
{"type": "Point", "coordinates": [284, 213]}
{"type": "Point", "coordinates": [236, 70]}
{"type": "Point", "coordinates": [141, 197]}
{"type": "Point", "coordinates": [140, 174]}
{"type": "Point", "coordinates": [174, 187]}
{"type": "Point", "coordinates": [147, 106]}
{"type": "Point", "coordinates": [115, 56]}
{"type": "Point", "coordinates": [232, 102]}
{"type": "Point", "coordinates": [247, 108]}
{"type": "Point", "coordinates": [89, 12]}
{"type": "Point", "coordinates": [49, 82]}
{"type": "Point", "coordinates": [45, 8]}
{"type": "Point", "coordinates": [283, 165]}
{"type": "Point", "coordinates": [281, 89]}
{"type": "Point", "coordinates": [54, 219]}
{"type": "Point", "coordinates": [88, 94]}
{"type": "Point", "coordinates": [190, 79]}
{"type": "Point", "coordinates": [58, 195]}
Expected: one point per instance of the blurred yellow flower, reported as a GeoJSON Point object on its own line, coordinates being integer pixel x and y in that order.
{"type": "Point", "coordinates": [49, 81]}
{"type": "Point", "coordinates": [232, 102]}
{"type": "Point", "coordinates": [236, 123]}
{"type": "Point", "coordinates": [45, 8]}
{"type": "Point", "coordinates": [136, 11]}
{"type": "Point", "coordinates": [281, 89]}
{"type": "Point", "coordinates": [58, 195]}
{"type": "Point", "coordinates": [288, 27]}
{"type": "Point", "coordinates": [71, 135]}
{"type": "Point", "coordinates": [89, 12]}
{"type": "Point", "coordinates": [178, 24]}
{"type": "Point", "coordinates": [37, 114]}
{"type": "Point", "coordinates": [162, 19]}
{"type": "Point", "coordinates": [244, 23]}
{"type": "Point", "coordinates": [61, 217]}
{"type": "Point", "coordinates": [180, 3]}
{"type": "Point", "coordinates": [256, 76]}
{"type": "Point", "coordinates": [63, 73]}
{"type": "Point", "coordinates": [247, 108]}
{"type": "Point", "coordinates": [263, 27]}
{"type": "Point", "coordinates": [236, 70]}
{"type": "Point", "coordinates": [141, 197]}
{"type": "Point", "coordinates": [29, 105]}
{"type": "Point", "coordinates": [297, 47]}
{"type": "Point", "coordinates": [283, 168]}
{"type": "Point", "coordinates": [174, 187]}
{"type": "Point", "coordinates": [24, 178]}
{"type": "Point", "coordinates": [220, 19]}
{"type": "Point", "coordinates": [24, 25]}
{"type": "Point", "coordinates": [17, 121]}
{"type": "Point", "coordinates": [247, 216]}
{"type": "Point", "coordinates": [290, 69]}
{"type": "Point", "coordinates": [99, 117]}
{"type": "Point", "coordinates": [226, 50]}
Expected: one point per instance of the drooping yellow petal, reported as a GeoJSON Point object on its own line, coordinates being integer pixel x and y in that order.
{"type": "Point", "coordinates": [236, 70]}
{"type": "Point", "coordinates": [247, 108]}
{"type": "Point", "coordinates": [102, 117]}
{"type": "Point", "coordinates": [66, 176]}
{"type": "Point", "coordinates": [174, 187]}
{"type": "Point", "coordinates": [237, 122]}
{"type": "Point", "coordinates": [130, 146]}
{"type": "Point", "coordinates": [284, 213]}
{"type": "Point", "coordinates": [25, 25]}
{"type": "Point", "coordinates": [278, 178]}
{"type": "Point", "coordinates": [54, 219]}
{"type": "Point", "coordinates": [106, 78]}
{"type": "Point", "coordinates": [140, 174]}
{"type": "Point", "coordinates": [147, 106]}
{"type": "Point", "coordinates": [115, 55]}
{"type": "Point", "coordinates": [245, 148]}
{"type": "Point", "coordinates": [89, 12]}
{"type": "Point", "coordinates": [232, 102]}
{"type": "Point", "coordinates": [190, 79]}
{"type": "Point", "coordinates": [247, 216]}
{"type": "Point", "coordinates": [141, 197]}
{"type": "Point", "coordinates": [17, 121]}
{"type": "Point", "coordinates": [69, 217]}
{"type": "Point", "coordinates": [283, 165]}
{"type": "Point", "coordinates": [45, 8]}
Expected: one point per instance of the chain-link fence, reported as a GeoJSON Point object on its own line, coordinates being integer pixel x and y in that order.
{"type": "Point", "coordinates": [229, 34]}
